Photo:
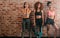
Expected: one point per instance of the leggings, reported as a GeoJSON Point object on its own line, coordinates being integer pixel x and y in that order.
{"type": "Point", "coordinates": [38, 34]}
{"type": "Point", "coordinates": [25, 25]}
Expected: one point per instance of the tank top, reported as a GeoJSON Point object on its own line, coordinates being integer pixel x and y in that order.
{"type": "Point", "coordinates": [38, 21]}
{"type": "Point", "coordinates": [38, 14]}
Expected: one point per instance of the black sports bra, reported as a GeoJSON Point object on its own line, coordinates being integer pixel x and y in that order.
{"type": "Point", "coordinates": [38, 13]}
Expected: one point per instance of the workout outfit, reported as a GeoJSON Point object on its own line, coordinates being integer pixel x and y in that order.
{"type": "Point", "coordinates": [39, 20]}
{"type": "Point", "coordinates": [38, 24]}
{"type": "Point", "coordinates": [26, 23]}
{"type": "Point", "coordinates": [49, 20]}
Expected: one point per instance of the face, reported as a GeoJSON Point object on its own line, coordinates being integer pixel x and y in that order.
{"type": "Point", "coordinates": [26, 5]}
{"type": "Point", "coordinates": [50, 5]}
{"type": "Point", "coordinates": [39, 5]}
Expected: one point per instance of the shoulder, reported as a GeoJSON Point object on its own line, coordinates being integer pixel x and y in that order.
{"type": "Point", "coordinates": [42, 11]}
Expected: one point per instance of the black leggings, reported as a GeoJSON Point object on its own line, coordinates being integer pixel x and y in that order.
{"type": "Point", "coordinates": [38, 25]}
{"type": "Point", "coordinates": [26, 24]}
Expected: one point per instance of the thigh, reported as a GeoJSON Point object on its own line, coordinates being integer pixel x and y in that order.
{"type": "Point", "coordinates": [23, 25]}
{"type": "Point", "coordinates": [48, 27]}
{"type": "Point", "coordinates": [55, 27]}
{"type": "Point", "coordinates": [24, 22]}
{"type": "Point", "coordinates": [28, 23]}
{"type": "Point", "coordinates": [40, 28]}
{"type": "Point", "coordinates": [52, 22]}
{"type": "Point", "coordinates": [36, 28]}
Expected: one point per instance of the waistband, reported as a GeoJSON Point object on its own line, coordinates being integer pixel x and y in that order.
{"type": "Point", "coordinates": [50, 18]}
{"type": "Point", "coordinates": [25, 18]}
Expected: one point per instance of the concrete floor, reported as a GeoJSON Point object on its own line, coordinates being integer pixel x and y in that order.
{"type": "Point", "coordinates": [51, 31]}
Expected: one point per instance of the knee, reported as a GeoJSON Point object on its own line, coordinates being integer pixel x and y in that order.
{"type": "Point", "coordinates": [48, 28]}
{"type": "Point", "coordinates": [57, 28]}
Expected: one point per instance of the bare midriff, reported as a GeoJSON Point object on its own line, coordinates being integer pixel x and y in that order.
{"type": "Point", "coordinates": [26, 13]}
{"type": "Point", "coordinates": [51, 14]}
{"type": "Point", "coordinates": [38, 17]}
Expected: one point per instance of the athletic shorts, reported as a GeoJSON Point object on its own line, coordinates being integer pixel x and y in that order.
{"type": "Point", "coordinates": [49, 21]}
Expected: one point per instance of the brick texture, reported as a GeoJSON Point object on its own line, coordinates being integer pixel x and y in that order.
{"type": "Point", "coordinates": [11, 18]}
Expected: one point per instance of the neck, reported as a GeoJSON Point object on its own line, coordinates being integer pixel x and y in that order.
{"type": "Point", "coordinates": [26, 8]}
{"type": "Point", "coordinates": [38, 10]}
{"type": "Point", "coordinates": [50, 9]}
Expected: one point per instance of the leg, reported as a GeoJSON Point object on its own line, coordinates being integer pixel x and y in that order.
{"type": "Point", "coordinates": [23, 29]}
{"type": "Point", "coordinates": [48, 27]}
{"type": "Point", "coordinates": [34, 29]}
{"type": "Point", "coordinates": [56, 28]}
{"type": "Point", "coordinates": [40, 32]}
{"type": "Point", "coordinates": [29, 28]}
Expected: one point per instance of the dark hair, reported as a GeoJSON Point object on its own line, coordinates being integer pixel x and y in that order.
{"type": "Point", "coordinates": [24, 4]}
{"type": "Point", "coordinates": [36, 5]}
{"type": "Point", "coordinates": [48, 2]}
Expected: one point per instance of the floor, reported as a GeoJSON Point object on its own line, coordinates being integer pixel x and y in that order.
{"type": "Point", "coordinates": [51, 31]}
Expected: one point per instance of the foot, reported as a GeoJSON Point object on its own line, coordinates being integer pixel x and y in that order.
{"type": "Point", "coordinates": [40, 35]}
{"type": "Point", "coordinates": [36, 34]}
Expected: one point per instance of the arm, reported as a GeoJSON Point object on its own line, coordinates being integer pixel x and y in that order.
{"type": "Point", "coordinates": [55, 17]}
{"type": "Point", "coordinates": [42, 17]}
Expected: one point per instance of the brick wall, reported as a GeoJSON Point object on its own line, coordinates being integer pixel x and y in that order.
{"type": "Point", "coordinates": [10, 25]}
{"type": "Point", "coordinates": [10, 19]}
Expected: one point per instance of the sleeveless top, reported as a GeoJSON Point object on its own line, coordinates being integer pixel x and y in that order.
{"type": "Point", "coordinates": [50, 13]}
{"type": "Point", "coordinates": [39, 20]}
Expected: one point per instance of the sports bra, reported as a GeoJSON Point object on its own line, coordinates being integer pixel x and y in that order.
{"type": "Point", "coordinates": [50, 13]}
{"type": "Point", "coordinates": [38, 14]}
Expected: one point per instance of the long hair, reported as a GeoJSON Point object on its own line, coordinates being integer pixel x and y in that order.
{"type": "Point", "coordinates": [36, 5]}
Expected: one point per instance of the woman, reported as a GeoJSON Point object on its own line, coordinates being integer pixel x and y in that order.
{"type": "Point", "coordinates": [26, 21]}
{"type": "Point", "coordinates": [50, 18]}
{"type": "Point", "coordinates": [38, 19]}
